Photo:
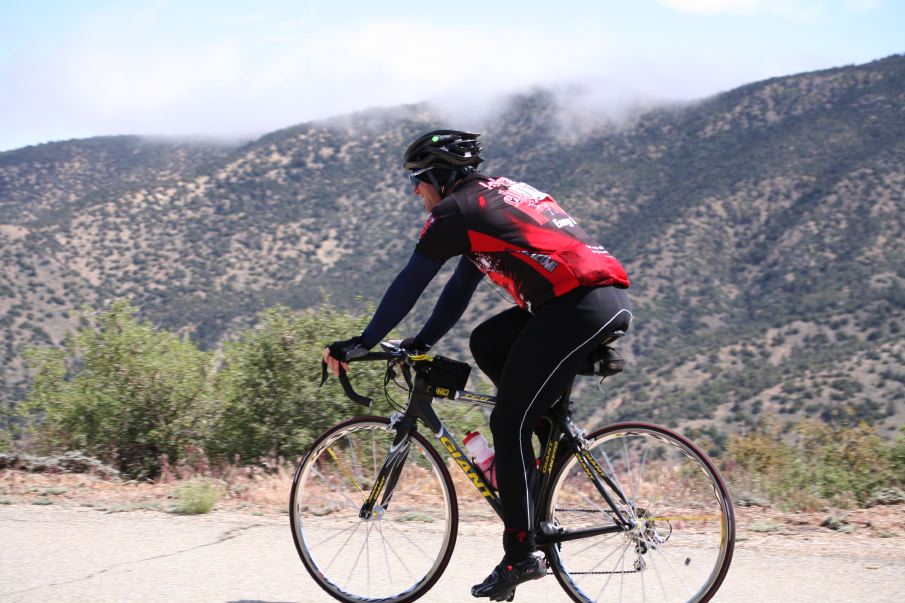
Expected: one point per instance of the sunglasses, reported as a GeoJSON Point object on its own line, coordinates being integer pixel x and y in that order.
{"type": "Point", "coordinates": [415, 176]}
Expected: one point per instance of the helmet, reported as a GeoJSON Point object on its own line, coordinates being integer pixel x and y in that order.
{"type": "Point", "coordinates": [450, 149]}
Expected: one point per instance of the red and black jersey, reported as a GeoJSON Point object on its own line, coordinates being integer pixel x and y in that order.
{"type": "Point", "coordinates": [520, 238]}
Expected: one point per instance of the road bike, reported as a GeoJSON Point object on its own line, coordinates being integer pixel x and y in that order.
{"type": "Point", "coordinates": [629, 512]}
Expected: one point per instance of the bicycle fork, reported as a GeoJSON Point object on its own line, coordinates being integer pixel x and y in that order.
{"type": "Point", "coordinates": [388, 476]}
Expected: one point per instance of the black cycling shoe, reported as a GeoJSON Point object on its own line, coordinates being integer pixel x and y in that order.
{"type": "Point", "coordinates": [500, 584]}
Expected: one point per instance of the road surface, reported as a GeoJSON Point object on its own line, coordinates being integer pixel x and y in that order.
{"type": "Point", "coordinates": [60, 554]}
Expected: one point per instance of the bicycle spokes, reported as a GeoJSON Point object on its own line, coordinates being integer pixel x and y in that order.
{"type": "Point", "coordinates": [677, 544]}
{"type": "Point", "coordinates": [390, 550]}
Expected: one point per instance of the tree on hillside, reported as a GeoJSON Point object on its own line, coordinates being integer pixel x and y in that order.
{"type": "Point", "coordinates": [268, 385]}
{"type": "Point", "coordinates": [121, 390]}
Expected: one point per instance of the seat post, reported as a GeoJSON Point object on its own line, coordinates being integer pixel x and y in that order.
{"type": "Point", "coordinates": [564, 399]}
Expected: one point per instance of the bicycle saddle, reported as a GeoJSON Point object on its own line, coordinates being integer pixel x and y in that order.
{"type": "Point", "coordinates": [604, 360]}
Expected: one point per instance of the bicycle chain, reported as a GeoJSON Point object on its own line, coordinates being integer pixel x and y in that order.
{"type": "Point", "coordinates": [597, 573]}
{"type": "Point", "coordinates": [592, 573]}
{"type": "Point", "coordinates": [579, 510]}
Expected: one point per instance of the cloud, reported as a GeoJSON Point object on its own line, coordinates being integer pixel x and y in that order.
{"type": "Point", "coordinates": [112, 78]}
{"type": "Point", "coordinates": [250, 72]}
{"type": "Point", "coordinates": [713, 7]}
{"type": "Point", "coordinates": [799, 10]}
{"type": "Point", "coordinates": [861, 6]}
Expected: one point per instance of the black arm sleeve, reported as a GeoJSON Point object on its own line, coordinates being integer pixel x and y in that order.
{"type": "Point", "coordinates": [452, 303]}
{"type": "Point", "coordinates": [401, 296]}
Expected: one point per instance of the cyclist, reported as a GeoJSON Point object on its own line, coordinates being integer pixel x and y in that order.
{"type": "Point", "coordinates": [569, 293]}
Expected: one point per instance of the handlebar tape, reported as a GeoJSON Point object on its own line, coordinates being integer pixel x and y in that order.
{"type": "Point", "coordinates": [347, 386]}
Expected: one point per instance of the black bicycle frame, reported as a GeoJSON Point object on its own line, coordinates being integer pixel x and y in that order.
{"type": "Point", "coordinates": [564, 438]}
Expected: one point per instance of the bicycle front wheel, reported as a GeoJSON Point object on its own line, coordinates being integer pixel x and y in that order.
{"type": "Point", "coordinates": [399, 552]}
{"type": "Point", "coordinates": [684, 529]}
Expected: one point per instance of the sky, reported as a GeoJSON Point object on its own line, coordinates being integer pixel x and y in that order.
{"type": "Point", "coordinates": [237, 69]}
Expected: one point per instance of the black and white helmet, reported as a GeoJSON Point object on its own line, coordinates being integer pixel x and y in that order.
{"type": "Point", "coordinates": [444, 149]}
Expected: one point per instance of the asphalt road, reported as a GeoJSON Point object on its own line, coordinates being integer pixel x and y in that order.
{"type": "Point", "coordinates": [57, 553]}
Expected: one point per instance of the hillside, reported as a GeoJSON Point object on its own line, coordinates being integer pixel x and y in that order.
{"type": "Point", "coordinates": [762, 228]}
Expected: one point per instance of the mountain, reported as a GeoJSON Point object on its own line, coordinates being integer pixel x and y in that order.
{"type": "Point", "coordinates": [762, 229]}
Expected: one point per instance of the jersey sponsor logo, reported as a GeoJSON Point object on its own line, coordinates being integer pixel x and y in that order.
{"type": "Point", "coordinates": [598, 249]}
{"type": "Point", "coordinates": [526, 191]}
{"type": "Point", "coordinates": [516, 193]}
{"type": "Point", "coordinates": [497, 183]}
{"type": "Point", "coordinates": [537, 205]}
{"type": "Point", "coordinates": [546, 262]}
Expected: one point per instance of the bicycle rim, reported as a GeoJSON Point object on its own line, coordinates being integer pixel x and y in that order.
{"type": "Point", "coordinates": [399, 553]}
{"type": "Point", "coordinates": [682, 544]}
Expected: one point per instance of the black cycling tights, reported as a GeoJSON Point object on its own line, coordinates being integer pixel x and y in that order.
{"type": "Point", "coordinates": [531, 358]}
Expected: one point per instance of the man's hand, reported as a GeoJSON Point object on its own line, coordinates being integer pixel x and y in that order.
{"type": "Point", "coordinates": [414, 345]}
{"type": "Point", "coordinates": [338, 353]}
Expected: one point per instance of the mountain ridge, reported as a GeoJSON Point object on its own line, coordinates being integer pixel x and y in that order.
{"type": "Point", "coordinates": [736, 217]}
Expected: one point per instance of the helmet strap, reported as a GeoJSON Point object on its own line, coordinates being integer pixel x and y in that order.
{"type": "Point", "coordinates": [454, 175]}
{"type": "Point", "coordinates": [433, 179]}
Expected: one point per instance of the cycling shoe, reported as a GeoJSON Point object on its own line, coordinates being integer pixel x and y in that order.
{"type": "Point", "coordinates": [500, 584]}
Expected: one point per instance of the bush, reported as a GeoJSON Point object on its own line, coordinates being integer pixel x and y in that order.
{"type": "Point", "coordinates": [897, 453]}
{"type": "Point", "coordinates": [197, 497]}
{"type": "Point", "coordinates": [817, 463]}
{"type": "Point", "coordinates": [132, 395]}
{"type": "Point", "coordinates": [121, 391]}
{"type": "Point", "coordinates": [268, 385]}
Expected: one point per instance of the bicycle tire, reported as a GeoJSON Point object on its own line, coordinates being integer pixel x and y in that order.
{"type": "Point", "coordinates": [685, 532]}
{"type": "Point", "coordinates": [330, 484]}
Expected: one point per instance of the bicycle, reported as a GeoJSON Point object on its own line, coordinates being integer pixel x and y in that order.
{"type": "Point", "coordinates": [630, 512]}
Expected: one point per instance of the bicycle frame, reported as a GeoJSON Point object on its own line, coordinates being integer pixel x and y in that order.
{"type": "Point", "coordinates": [564, 438]}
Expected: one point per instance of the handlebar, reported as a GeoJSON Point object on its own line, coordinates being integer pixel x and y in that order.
{"type": "Point", "coordinates": [395, 353]}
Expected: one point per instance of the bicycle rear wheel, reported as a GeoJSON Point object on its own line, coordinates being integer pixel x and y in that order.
{"type": "Point", "coordinates": [682, 544]}
{"type": "Point", "coordinates": [399, 553]}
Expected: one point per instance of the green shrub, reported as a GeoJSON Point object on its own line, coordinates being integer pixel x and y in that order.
{"type": "Point", "coordinates": [122, 391]}
{"type": "Point", "coordinates": [268, 384]}
{"type": "Point", "coordinates": [818, 463]}
{"type": "Point", "coordinates": [897, 454]}
{"type": "Point", "coordinates": [197, 497]}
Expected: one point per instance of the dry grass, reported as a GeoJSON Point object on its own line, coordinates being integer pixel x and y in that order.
{"type": "Point", "coordinates": [265, 491]}
{"type": "Point", "coordinates": [262, 489]}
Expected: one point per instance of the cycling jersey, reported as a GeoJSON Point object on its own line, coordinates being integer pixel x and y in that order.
{"type": "Point", "coordinates": [520, 238]}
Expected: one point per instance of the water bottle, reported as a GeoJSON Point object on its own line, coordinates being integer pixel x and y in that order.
{"type": "Point", "coordinates": [477, 448]}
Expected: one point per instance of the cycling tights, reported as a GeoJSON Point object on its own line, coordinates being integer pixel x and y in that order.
{"type": "Point", "coordinates": [531, 358]}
